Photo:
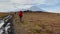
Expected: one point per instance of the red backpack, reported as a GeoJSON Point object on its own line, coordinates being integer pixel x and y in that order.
{"type": "Point", "coordinates": [21, 13]}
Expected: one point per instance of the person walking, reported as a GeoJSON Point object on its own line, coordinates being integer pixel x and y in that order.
{"type": "Point", "coordinates": [20, 15]}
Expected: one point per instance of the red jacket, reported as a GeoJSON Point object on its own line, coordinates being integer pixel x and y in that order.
{"type": "Point", "coordinates": [20, 13]}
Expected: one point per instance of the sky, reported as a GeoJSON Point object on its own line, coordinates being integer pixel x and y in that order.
{"type": "Point", "coordinates": [15, 5]}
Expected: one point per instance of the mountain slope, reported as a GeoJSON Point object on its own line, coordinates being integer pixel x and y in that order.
{"type": "Point", "coordinates": [35, 8]}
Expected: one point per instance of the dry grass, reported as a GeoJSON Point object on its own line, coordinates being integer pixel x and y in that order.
{"type": "Point", "coordinates": [3, 14]}
{"type": "Point", "coordinates": [37, 23]}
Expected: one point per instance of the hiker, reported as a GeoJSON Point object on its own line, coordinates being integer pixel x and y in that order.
{"type": "Point", "coordinates": [21, 15]}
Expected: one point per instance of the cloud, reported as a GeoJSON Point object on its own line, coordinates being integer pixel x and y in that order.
{"type": "Point", "coordinates": [51, 2]}
{"type": "Point", "coordinates": [27, 1]}
{"type": "Point", "coordinates": [8, 7]}
{"type": "Point", "coordinates": [54, 9]}
{"type": "Point", "coordinates": [14, 5]}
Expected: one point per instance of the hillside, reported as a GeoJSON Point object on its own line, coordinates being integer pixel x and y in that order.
{"type": "Point", "coordinates": [37, 23]}
{"type": "Point", "coordinates": [3, 14]}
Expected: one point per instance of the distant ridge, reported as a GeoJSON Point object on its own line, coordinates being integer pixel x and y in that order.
{"type": "Point", "coordinates": [35, 8]}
